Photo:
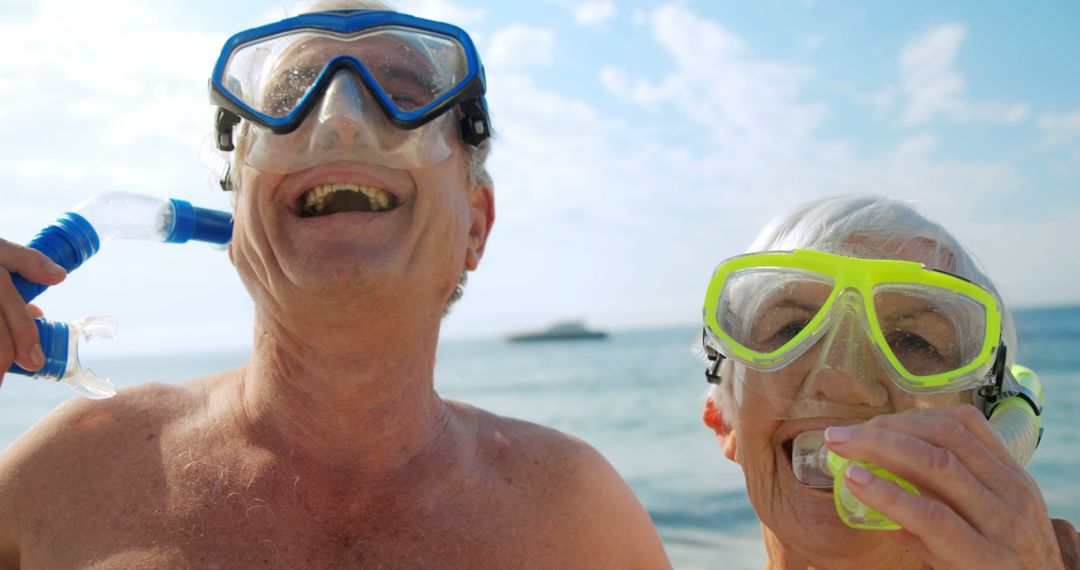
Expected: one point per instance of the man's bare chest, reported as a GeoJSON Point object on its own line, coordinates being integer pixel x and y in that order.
{"type": "Point", "coordinates": [222, 515]}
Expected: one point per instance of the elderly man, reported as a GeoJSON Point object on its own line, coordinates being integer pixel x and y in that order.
{"type": "Point", "coordinates": [361, 199]}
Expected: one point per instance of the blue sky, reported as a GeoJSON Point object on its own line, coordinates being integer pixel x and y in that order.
{"type": "Point", "coordinates": [640, 142]}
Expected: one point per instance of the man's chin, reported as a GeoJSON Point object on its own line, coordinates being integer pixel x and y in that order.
{"type": "Point", "coordinates": [332, 278]}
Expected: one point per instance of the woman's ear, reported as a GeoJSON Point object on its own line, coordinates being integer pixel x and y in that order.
{"type": "Point", "coordinates": [714, 418]}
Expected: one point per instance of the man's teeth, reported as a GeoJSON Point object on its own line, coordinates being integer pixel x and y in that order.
{"type": "Point", "coordinates": [317, 198]}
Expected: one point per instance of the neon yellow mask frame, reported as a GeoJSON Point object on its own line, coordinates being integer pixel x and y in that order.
{"type": "Point", "coordinates": [865, 276]}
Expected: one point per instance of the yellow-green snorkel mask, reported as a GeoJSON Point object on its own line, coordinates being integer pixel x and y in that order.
{"type": "Point", "coordinates": [817, 334]}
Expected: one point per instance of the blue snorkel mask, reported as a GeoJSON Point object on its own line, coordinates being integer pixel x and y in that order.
{"type": "Point", "coordinates": [350, 85]}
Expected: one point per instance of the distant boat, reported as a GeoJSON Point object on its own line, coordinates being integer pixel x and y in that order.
{"type": "Point", "coordinates": [566, 330]}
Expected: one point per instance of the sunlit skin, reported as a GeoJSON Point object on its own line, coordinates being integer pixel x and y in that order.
{"type": "Point", "coordinates": [843, 384]}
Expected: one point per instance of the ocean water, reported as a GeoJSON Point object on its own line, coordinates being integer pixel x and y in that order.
{"type": "Point", "coordinates": [637, 398]}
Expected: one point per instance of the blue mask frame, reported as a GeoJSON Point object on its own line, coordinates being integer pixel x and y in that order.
{"type": "Point", "coordinates": [468, 94]}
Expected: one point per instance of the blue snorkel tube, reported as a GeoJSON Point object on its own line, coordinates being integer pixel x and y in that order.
{"type": "Point", "coordinates": [76, 236]}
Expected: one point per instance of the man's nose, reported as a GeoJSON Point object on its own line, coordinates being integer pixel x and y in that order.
{"type": "Point", "coordinates": [341, 111]}
{"type": "Point", "coordinates": [846, 370]}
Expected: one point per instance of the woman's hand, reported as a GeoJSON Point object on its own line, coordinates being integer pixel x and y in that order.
{"type": "Point", "coordinates": [979, 508]}
{"type": "Point", "coordinates": [18, 334]}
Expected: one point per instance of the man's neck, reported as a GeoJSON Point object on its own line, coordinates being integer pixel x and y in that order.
{"type": "Point", "coordinates": [355, 399]}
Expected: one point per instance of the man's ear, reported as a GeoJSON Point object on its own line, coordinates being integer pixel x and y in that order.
{"type": "Point", "coordinates": [714, 418]}
{"type": "Point", "coordinates": [482, 210]}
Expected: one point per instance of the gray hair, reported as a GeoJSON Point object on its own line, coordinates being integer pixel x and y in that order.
{"type": "Point", "coordinates": [872, 220]}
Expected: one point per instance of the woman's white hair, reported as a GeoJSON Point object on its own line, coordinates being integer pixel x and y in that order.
{"type": "Point", "coordinates": [875, 221]}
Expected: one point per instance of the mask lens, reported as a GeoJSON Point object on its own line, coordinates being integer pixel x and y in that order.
{"type": "Point", "coordinates": [765, 310]}
{"type": "Point", "coordinates": [930, 330]}
{"type": "Point", "coordinates": [411, 68]}
{"type": "Point", "coordinates": [257, 74]}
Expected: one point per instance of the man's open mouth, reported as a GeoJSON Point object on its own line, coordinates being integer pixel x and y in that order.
{"type": "Point", "coordinates": [327, 199]}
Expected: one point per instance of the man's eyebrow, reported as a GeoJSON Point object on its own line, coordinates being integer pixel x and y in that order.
{"type": "Point", "coordinates": [413, 76]}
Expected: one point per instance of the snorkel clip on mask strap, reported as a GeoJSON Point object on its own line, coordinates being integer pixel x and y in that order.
{"type": "Point", "coordinates": [992, 394]}
{"type": "Point", "coordinates": [475, 121]}
{"type": "Point", "coordinates": [1006, 386]}
{"type": "Point", "coordinates": [223, 125]}
{"type": "Point", "coordinates": [712, 371]}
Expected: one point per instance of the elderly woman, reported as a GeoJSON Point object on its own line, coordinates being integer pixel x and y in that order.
{"type": "Point", "coordinates": [858, 327]}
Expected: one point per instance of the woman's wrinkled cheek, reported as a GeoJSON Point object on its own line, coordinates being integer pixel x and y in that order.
{"type": "Point", "coordinates": [756, 455]}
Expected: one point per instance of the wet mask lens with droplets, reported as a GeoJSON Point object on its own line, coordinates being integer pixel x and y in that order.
{"type": "Point", "coordinates": [407, 70]}
{"type": "Point", "coordinates": [407, 73]}
{"type": "Point", "coordinates": [930, 332]}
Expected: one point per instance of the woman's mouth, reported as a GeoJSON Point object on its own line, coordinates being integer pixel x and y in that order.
{"type": "Point", "coordinates": [810, 478]}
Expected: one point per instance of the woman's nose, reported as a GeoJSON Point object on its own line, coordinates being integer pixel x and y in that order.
{"type": "Point", "coordinates": [846, 370]}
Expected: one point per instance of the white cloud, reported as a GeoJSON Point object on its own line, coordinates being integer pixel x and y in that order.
{"type": "Point", "coordinates": [275, 13]}
{"type": "Point", "coordinates": [930, 80]}
{"type": "Point", "coordinates": [746, 106]}
{"type": "Point", "coordinates": [595, 13]}
{"type": "Point", "coordinates": [518, 46]}
{"type": "Point", "coordinates": [1059, 128]}
{"type": "Point", "coordinates": [444, 11]}
{"type": "Point", "coordinates": [812, 41]}
{"type": "Point", "coordinates": [881, 100]}
{"type": "Point", "coordinates": [599, 214]}
{"type": "Point", "coordinates": [934, 86]}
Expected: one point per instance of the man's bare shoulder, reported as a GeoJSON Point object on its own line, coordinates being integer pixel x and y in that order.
{"type": "Point", "coordinates": [81, 436]}
{"type": "Point", "coordinates": [80, 427]}
{"type": "Point", "coordinates": [565, 480]}
{"type": "Point", "coordinates": [502, 433]}
{"type": "Point", "coordinates": [82, 447]}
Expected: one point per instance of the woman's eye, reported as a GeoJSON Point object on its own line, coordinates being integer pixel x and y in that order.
{"type": "Point", "coordinates": [912, 344]}
{"type": "Point", "coordinates": [791, 330]}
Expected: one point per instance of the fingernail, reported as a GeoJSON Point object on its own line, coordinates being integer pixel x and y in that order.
{"type": "Point", "coordinates": [858, 475]}
{"type": "Point", "coordinates": [54, 269]}
{"type": "Point", "coordinates": [839, 434]}
{"type": "Point", "coordinates": [37, 358]}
